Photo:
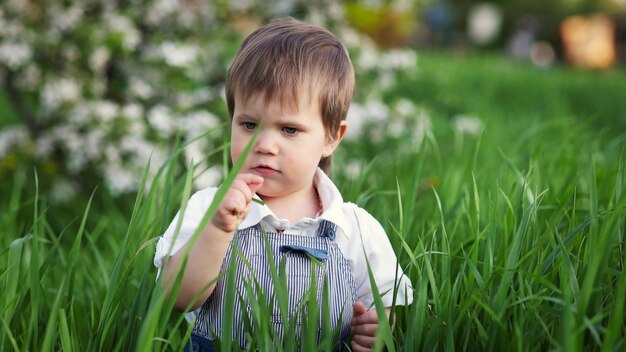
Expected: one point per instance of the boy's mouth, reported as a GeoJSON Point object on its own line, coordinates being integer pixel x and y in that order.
{"type": "Point", "coordinates": [264, 170]}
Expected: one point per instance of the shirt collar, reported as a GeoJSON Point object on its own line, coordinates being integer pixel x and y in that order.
{"type": "Point", "coordinates": [332, 202]}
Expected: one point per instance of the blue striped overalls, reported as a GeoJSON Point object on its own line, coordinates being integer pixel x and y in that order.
{"type": "Point", "coordinates": [302, 257]}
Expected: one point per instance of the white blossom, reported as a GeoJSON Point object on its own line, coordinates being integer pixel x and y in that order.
{"type": "Point", "coordinates": [353, 169]}
{"type": "Point", "coordinates": [99, 58]}
{"type": "Point", "coordinates": [157, 159]}
{"type": "Point", "coordinates": [12, 29]}
{"type": "Point", "coordinates": [112, 155]}
{"type": "Point", "coordinates": [179, 55]}
{"type": "Point", "coordinates": [66, 20]}
{"type": "Point", "coordinates": [80, 114]}
{"type": "Point", "coordinates": [10, 137]}
{"type": "Point", "coordinates": [137, 128]}
{"type": "Point", "coordinates": [423, 127]}
{"type": "Point", "coordinates": [372, 113]}
{"type": "Point", "coordinates": [76, 162]}
{"type": "Point", "coordinates": [132, 111]}
{"type": "Point", "coordinates": [62, 191]}
{"type": "Point", "coordinates": [140, 88]}
{"type": "Point", "coordinates": [44, 146]}
{"type": "Point", "coordinates": [368, 58]}
{"type": "Point", "coordinates": [399, 59]}
{"type": "Point", "coordinates": [377, 111]}
{"type": "Point", "coordinates": [56, 92]}
{"type": "Point", "coordinates": [162, 119]}
{"type": "Point", "coordinates": [104, 109]}
{"type": "Point", "coordinates": [196, 152]}
{"type": "Point", "coordinates": [73, 143]}
{"type": "Point", "coordinates": [197, 122]}
{"type": "Point", "coordinates": [349, 36]}
{"type": "Point", "coordinates": [14, 54]}
{"type": "Point", "coordinates": [93, 142]}
{"type": "Point", "coordinates": [30, 79]}
{"type": "Point", "coordinates": [161, 9]}
{"type": "Point", "coordinates": [140, 149]}
{"type": "Point", "coordinates": [355, 120]}
{"type": "Point", "coordinates": [468, 125]}
{"type": "Point", "coordinates": [121, 25]}
{"type": "Point", "coordinates": [405, 108]}
{"type": "Point", "coordinates": [119, 179]}
{"type": "Point", "coordinates": [196, 97]}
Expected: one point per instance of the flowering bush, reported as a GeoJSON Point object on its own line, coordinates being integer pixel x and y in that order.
{"type": "Point", "coordinates": [103, 86]}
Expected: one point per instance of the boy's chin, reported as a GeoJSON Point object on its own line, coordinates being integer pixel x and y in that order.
{"type": "Point", "coordinates": [267, 193]}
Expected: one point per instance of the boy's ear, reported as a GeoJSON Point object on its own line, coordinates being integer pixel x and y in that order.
{"type": "Point", "coordinates": [333, 143]}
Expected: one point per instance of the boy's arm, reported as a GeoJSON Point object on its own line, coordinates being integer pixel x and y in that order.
{"type": "Point", "coordinates": [203, 265]}
{"type": "Point", "coordinates": [205, 257]}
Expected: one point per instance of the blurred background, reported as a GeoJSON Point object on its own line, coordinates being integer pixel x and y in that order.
{"type": "Point", "coordinates": [584, 33]}
{"type": "Point", "coordinates": [92, 90]}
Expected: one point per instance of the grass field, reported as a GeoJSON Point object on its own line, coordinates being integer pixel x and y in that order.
{"type": "Point", "coordinates": [513, 239]}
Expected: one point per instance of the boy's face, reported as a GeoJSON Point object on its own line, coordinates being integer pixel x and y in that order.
{"type": "Point", "coordinates": [289, 146]}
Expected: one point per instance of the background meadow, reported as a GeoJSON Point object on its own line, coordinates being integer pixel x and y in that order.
{"type": "Point", "coordinates": [500, 184]}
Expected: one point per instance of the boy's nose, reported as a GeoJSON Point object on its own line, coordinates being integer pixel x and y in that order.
{"type": "Point", "coordinates": [265, 143]}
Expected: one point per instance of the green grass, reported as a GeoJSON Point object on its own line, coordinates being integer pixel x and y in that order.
{"type": "Point", "coordinates": [513, 239]}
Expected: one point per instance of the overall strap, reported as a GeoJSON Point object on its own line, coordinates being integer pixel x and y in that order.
{"type": "Point", "coordinates": [327, 229]}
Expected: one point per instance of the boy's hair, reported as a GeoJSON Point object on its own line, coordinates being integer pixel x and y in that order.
{"type": "Point", "coordinates": [290, 60]}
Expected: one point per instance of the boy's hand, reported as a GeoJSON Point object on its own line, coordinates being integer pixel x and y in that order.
{"type": "Point", "coordinates": [363, 327]}
{"type": "Point", "coordinates": [236, 203]}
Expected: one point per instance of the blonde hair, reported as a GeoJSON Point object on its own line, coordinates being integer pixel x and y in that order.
{"type": "Point", "coordinates": [288, 60]}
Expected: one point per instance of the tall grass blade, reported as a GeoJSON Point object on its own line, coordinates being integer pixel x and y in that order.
{"type": "Point", "coordinates": [51, 325]}
{"type": "Point", "coordinates": [64, 331]}
{"type": "Point", "coordinates": [148, 329]}
{"type": "Point", "coordinates": [12, 277]}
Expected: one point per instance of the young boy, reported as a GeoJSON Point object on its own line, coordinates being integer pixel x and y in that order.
{"type": "Point", "coordinates": [295, 82]}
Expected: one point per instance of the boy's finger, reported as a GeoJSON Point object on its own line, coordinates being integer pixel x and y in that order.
{"type": "Point", "coordinates": [356, 347]}
{"type": "Point", "coordinates": [369, 317]}
{"type": "Point", "coordinates": [364, 329]}
{"type": "Point", "coordinates": [358, 308]}
{"type": "Point", "coordinates": [365, 341]}
{"type": "Point", "coordinates": [250, 179]}
{"type": "Point", "coordinates": [255, 186]}
{"type": "Point", "coordinates": [254, 182]}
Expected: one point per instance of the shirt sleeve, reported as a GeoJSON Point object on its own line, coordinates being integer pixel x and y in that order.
{"type": "Point", "coordinates": [370, 238]}
{"type": "Point", "coordinates": [171, 241]}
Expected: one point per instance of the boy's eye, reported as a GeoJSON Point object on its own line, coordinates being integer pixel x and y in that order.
{"type": "Point", "coordinates": [290, 130]}
{"type": "Point", "coordinates": [249, 125]}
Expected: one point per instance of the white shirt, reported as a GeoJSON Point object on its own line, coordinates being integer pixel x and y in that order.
{"type": "Point", "coordinates": [358, 234]}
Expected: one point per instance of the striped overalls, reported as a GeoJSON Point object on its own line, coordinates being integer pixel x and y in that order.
{"type": "Point", "coordinates": [305, 258]}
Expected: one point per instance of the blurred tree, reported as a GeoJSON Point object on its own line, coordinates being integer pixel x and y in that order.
{"type": "Point", "coordinates": [102, 86]}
